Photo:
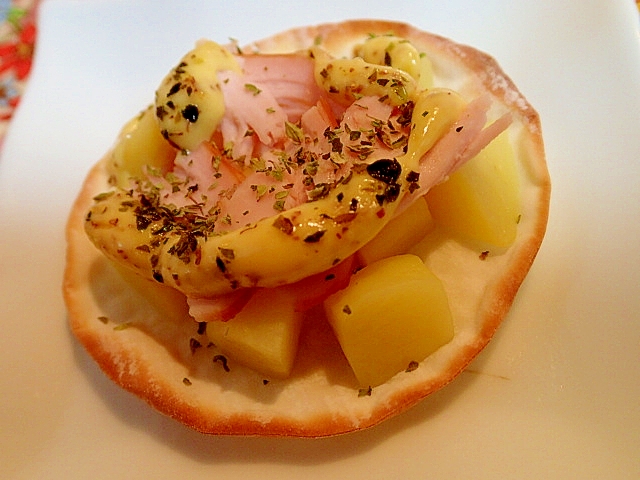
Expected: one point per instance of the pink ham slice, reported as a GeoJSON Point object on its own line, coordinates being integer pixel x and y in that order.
{"type": "Point", "coordinates": [279, 88]}
{"type": "Point", "coordinates": [219, 309]}
{"type": "Point", "coordinates": [289, 78]}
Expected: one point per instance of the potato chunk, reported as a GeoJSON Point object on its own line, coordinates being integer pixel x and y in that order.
{"type": "Point", "coordinates": [481, 200]}
{"type": "Point", "coordinates": [264, 335]}
{"type": "Point", "coordinates": [140, 145]}
{"type": "Point", "coordinates": [400, 234]}
{"type": "Point", "coordinates": [393, 313]}
{"type": "Point", "coordinates": [167, 301]}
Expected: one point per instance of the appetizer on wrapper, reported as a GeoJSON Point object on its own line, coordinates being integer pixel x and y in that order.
{"type": "Point", "coordinates": [308, 235]}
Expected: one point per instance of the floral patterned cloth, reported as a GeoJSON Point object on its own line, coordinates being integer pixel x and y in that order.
{"type": "Point", "coordinates": [17, 42]}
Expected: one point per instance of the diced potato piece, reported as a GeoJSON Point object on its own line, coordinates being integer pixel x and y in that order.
{"type": "Point", "coordinates": [481, 201]}
{"type": "Point", "coordinates": [263, 336]}
{"type": "Point", "coordinates": [400, 234]}
{"type": "Point", "coordinates": [393, 313]}
{"type": "Point", "coordinates": [167, 301]}
{"type": "Point", "coordinates": [141, 144]}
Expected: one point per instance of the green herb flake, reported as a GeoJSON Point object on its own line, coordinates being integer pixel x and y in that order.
{"type": "Point", "coordinates": [223, 361]}
{"type": "Point", "coordinates": [284, 224]}
{"type": "Point", "coordinates": [258, 164]}
{"type": "Point", "coordinates": [122, 326]}
{"type": "Point", "coordinates": [280, 199]}
{"type": "Point", "coordinates": [227, 253]}
{"type": "Point", "coordinates": [314, 237]}
{"type": "Point", "coordinates": [365, 392]}
{"type": "Point", "coordinates": [252, 88]}
{"type": "Point", "coordinates": [261, 190]}
{"type": "Point", "coordinates": [194, 345]}
{"type": "Point", "coordinates": [293, 132]}
{"type": "Point", "coordinates": [321, 190]}
{"type": "Point", "coordinates": [412, 366]}
{"type": "Point", "coordinates": [103, 196]}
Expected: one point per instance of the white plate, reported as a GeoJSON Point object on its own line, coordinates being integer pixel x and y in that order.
{"type": "Point", "coordinates": [555, 395]}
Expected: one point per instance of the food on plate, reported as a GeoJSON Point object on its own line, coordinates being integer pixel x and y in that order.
{"type": "Point", "coordinates": [393, 314]}
{"type": "Point", "coordinates": [308, 235]}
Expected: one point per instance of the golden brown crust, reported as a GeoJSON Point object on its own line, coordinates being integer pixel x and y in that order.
{"type": "Point", "coordinates": [143, 341]}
